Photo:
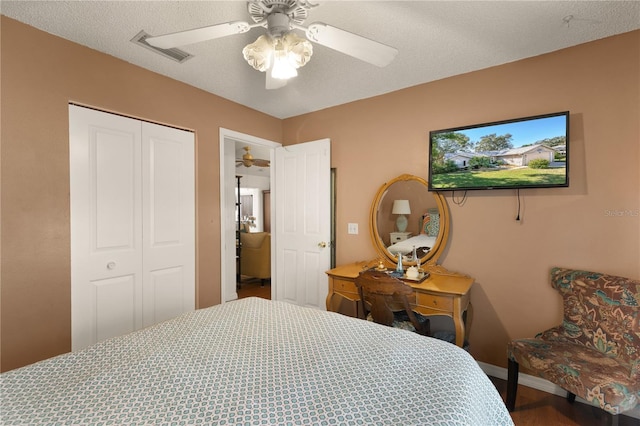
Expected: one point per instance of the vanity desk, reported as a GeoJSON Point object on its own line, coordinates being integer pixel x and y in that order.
{"type": "Point", "coordinates": [439, 294]}
{"type": "Point", "coordinates": [443, 292]}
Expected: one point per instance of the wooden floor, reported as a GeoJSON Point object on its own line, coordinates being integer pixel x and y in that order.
{"type": "Point", "coordinates": [534, 407]}
{"type": "Point", "coordinates": [253, 287]}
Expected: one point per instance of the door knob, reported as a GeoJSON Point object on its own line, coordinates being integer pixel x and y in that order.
{"type": "Point", "coordinates": [322, 244]}
{"type": "Point", "coordinates": [111, 265]}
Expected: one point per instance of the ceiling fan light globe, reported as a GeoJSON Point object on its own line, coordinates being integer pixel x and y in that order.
{"type": "Point", "coordinates": [299, 50]}
{"type": "Point", "coordinates": [282, 69]}
{"type": "Point", "coordinates": [258, 54]}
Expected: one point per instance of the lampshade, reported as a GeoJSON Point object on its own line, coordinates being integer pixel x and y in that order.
{"type": "Point", "coordinates": [283, 54]}
{"type": "Point", "coordinates": [401, 207]}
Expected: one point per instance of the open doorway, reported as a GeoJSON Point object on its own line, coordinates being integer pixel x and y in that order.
{"type": "Point", "coordinates": [302, 244]}
{"type": "Point", "coordinates": [254, 236]}
{"type": "Point", "coordinates": [249, 184]}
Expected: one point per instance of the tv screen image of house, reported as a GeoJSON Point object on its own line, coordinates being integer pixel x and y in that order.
{"type": "Point", "coordinates": [528, 152]}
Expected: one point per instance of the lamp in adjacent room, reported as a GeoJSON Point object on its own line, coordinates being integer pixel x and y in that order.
{"type": "Point", "coordinates": [401, 208]}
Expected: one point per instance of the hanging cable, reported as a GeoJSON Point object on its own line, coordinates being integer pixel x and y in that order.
{"type": "Point", "coordinates": [459, 201]}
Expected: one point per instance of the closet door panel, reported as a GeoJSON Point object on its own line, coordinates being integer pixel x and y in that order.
{"type": "Point", "coordinates": [113, 163]}
{"type": "Point", "coordinates": [115, 309]}
{"type": "Point", "coordinates": [166, 286]}
{"type": "Point", "coordinates": [106, 225]}
{"type": "Point", "coordinates": [169, 222]}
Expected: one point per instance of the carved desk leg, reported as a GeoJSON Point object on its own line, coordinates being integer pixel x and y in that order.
{"type": "Point", "coordinates": [460, 306]}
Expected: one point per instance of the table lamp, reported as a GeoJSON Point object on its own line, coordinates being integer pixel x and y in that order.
{"type": "Point", "coordinates": [401, 208]}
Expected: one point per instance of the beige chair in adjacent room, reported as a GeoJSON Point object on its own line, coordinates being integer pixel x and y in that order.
{"type": "Point", "coordinates": [255, 255]}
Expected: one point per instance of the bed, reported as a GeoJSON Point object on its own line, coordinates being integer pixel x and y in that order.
{"type": "Point", "coordinates": [255, 361]}
{"type": "Point", "coordinates": [422, 243]}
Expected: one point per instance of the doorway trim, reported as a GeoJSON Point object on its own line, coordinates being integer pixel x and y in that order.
{"type": "Point", "coordinates": [228, 140]}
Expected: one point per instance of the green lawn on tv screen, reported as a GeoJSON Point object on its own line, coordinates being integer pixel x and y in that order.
{"type": "Point", "coordinates": [497, 178]}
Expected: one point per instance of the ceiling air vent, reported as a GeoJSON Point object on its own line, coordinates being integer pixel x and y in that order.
{"type": "Point", "coordinates": [173, 53]}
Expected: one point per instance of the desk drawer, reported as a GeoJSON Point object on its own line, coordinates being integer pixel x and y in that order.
{"type": "Point", "coordinates": [344, 286]}
{"type": "Point", "coordinates": [435, 302]}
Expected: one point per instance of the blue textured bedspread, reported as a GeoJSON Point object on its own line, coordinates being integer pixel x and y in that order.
{"type": "Point", "coordinates": [254, 362]}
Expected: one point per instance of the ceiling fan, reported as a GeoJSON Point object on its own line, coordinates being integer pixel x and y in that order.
{"type": "Point", "coordinates": [281, 51]}
{"type": "Point", "coordinates": [247, 160]}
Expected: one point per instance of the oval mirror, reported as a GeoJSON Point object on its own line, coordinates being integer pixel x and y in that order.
{"type": "Point", "coordinates": [404, 215]}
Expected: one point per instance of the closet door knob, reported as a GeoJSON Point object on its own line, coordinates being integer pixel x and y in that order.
{"type": "Point", "coordinates": [322, 244]}
{"type": "Point", "coordinates": [111, 265]}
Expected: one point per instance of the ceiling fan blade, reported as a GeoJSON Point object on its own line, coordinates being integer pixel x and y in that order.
{"type": "Point", "coordinates": [245, 163]}
{"type": "Point", "coordinates": [196, 35]}
{"type": "Point", "coordinates": [258, 162]}
{"type": "Point", "coordinates": [351, 44]}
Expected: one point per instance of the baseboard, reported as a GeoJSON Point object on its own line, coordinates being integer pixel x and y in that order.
{"type": "Point", "coordinates": [541, 384]}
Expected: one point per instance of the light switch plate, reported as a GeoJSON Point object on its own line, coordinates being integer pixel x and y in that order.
{"type": "Point", "coordinates": [352, 228]}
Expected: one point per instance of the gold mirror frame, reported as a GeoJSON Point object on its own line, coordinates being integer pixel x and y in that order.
{"type": "Point", "coordinates": [432, 256]}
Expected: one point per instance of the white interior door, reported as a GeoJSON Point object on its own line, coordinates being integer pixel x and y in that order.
{"type": "Point", "coordinates": [302, 199]}
{"type": "Point", "coordinates": [132, 224]}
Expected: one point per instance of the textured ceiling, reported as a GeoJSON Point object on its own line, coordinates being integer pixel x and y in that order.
{"type": "Point", "coordinates": [435, 39]}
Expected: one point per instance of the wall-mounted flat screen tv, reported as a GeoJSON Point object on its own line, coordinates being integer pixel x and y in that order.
{"type": "Point", "coordinates": [528, 152]}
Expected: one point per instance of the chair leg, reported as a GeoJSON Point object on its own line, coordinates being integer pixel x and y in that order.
{"type": "Point", "coordinates": [512, 384]}
{"type": "Point", "coordinates": [571, 397]}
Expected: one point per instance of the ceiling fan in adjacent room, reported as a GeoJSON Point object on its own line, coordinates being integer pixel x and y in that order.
{"type": "Point", "coordinates": [247, 160]}
{"type": "Point", "coordinates": [280, 52]}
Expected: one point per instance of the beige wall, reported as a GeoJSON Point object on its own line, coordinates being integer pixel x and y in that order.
{"type": "Point", "coordinates": [373, 141]}
{"type": "Point", "coordinates": [376, 139]}
{"type": "Point", "coordinates": [40, 75]}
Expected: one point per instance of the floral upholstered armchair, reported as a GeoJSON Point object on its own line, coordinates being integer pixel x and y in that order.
{"type": "Point", "coordinates": [595, 352]}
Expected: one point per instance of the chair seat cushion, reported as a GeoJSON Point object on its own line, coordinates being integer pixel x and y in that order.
{"type": "Point", "coordinates": [401, 320]}
{"type": "Point", "coordinates": [600, 379]}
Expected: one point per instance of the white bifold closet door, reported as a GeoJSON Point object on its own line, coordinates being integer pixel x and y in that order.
{"type": "Point", "coordinates": [132, 192]}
